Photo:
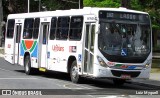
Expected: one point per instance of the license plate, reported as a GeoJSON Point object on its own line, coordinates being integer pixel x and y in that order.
{"type": "Point", "coordinates": [125, 76]}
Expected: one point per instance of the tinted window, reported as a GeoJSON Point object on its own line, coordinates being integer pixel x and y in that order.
{"type": "Point", "coordinates": [36, 28]}
{"type": "Point", "coordinates": [10, 28]}
{"type": "Point", "coordinates": [76, 28]}
{"type": "Point", "coordinates": [63, 27]}
{"type": "Point", "coordinates": [18, 32]}
{"type": "Point", "coordinates": [53, 28]}
{"type": "Point", "coordinates": [28, 28]}
{"type": "Point", "coordinates": [45, 32]}
{"type": "Point", "coordinates": [87, 36]}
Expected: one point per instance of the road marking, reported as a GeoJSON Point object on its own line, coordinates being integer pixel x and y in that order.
{"type": "Point", "coordinates": [67, 87]}
{"type": "Point", "coordinates": [109, 97]}
{"type": "Point", "coordinates": [71, 86]}
{"type": "Point", "coordinates": [76, 86]}
{"type": "Point", "coordinates": [64, 84]}
{"type": "Point", "coordinates": [69, 83]}
{"type": "Point", "coordinates": [16, 78]}
{"type": "Point", "coordinates": [4, 69]}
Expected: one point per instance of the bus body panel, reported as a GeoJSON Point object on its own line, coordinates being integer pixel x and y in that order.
{"type": "Point", "coordinates": [55, 54]}
{"type": "Point", "coordinates": [9, 48]}
{"type": "Point", "coordinates": [103, 72]}
{"type": "Point", "coordinates": [59, 53]}
{"type": "Point", "coordinates": [30, 46]}
{"type": "Point", "coordinates": [106, 73]}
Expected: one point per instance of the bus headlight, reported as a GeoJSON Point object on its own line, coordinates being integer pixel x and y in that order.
{"type": "Point", "coordinates": [101, 62]}
{"type": "Point", "coordinates": [147, 65]}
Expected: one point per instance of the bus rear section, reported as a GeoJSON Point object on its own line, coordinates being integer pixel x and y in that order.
{"type": "Point", "coordinates": [13, 38]}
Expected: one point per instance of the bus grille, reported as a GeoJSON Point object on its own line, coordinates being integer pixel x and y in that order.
{"type": "Point", "coordinates": [119, 73]}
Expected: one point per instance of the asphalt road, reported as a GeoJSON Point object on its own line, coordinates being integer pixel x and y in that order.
{"type": "Point", "coordinates": [12, 77]}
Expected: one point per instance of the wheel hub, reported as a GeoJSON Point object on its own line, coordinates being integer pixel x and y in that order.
{"type": "Point", "coordinates": [74, 72]}
{"type": "Point", "coordinates": [26, 66]}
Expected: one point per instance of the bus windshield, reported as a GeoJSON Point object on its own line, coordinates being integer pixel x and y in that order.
{"type": "Point", "coordinates": [125, 37]}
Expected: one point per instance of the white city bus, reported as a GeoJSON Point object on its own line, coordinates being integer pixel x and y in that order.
{"type": "Point", "coordinates": [112, 43]}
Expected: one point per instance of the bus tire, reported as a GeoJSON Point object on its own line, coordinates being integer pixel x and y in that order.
{"type": "Point", "coordinates": [27, 65]}
{"type": "Point", "coordinates": [75, 77]}
{"type": "Point", "coordinates": [118, 82]}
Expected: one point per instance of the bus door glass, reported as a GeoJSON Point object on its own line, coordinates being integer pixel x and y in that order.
{"type": "Point", "coordinates": [43, 42]}
{"type": "Point", "coordinates": [89, 48]}
{"type": "Point", "coordinates": [17, 42]}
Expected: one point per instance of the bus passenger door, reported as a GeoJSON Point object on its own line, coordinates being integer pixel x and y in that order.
{"type": "Point", "coordinates": [43, 42]}
{"type": "Point", "coordinates": [17, 42]}
{"type": "Point", "coordinates": [89, 48]}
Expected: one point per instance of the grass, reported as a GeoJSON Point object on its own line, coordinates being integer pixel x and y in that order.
{"type": "Point", "coordinates": [156, 63]}
{"type": "Point", "coordinates": [1, 51]}
{"type": "Point", "coordinates": [155, 70]}
{"type": "Point", "coordinates": [155, 66]}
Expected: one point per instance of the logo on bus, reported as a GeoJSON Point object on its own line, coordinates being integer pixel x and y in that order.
{"type": "Point", "coordinates": [57, 48]}
{"type": "Point", "coordinates": [9, 45]}
{"type": "Point", "coordinates": [91, 18]}
{"type": "Point", "coordinates": [79, 57]}
{"type": "Point", "coordinates": [124, 52]}
{"type": "Point", "coordinates": [110, 63]}
{"type": "Point", "coordinates": [124, 66]}
{"type": "Point", "coordinates": [72, 49]}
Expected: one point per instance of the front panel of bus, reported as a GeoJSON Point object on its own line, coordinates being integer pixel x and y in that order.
{"type": "Point", "coordinates": [124, 44]}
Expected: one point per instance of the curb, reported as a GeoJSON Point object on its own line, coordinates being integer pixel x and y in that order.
{"type": "Point", "coordinates": [156, 57]}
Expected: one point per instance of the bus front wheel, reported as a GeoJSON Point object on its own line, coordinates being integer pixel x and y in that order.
{"type": "Point", "coordinates": [27, 65]}
{"type": "Point", "coordinates": [75, 78]}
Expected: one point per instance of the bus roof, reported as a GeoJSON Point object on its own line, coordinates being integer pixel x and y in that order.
{"type": "Point", "coordinates": [84, 11]}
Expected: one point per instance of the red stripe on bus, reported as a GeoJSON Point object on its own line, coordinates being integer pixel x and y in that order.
{"type": "Point", "coordinates": [28, 44]}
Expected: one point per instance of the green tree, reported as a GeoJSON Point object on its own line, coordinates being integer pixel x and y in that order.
{"type": "Point", "coordinates": [102, 3]}
{"type": "Point", "coordinates": [61, 4]}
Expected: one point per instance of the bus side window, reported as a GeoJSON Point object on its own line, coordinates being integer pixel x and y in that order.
{"type": "Point", "coordinates": [63, 28]}
{"type": "Point", "coordinates": [10, 28]}
{"type": "Point", "coordinates": [28, 28]}
{"type": "Point", "coordinates": [53, 28]}
{"type": "Point", "coordinates": [76, 28]}
{"type": "Point", "coordinates": [36, 28]}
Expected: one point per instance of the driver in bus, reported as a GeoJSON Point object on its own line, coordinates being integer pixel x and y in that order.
{"type": "Point", "coordinates": [26, 34]}
{"type": "Point", "coordinates": [115, 38]}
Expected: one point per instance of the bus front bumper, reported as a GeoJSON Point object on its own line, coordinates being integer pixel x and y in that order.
{"type": "Point", "coordinates": [123, 74]}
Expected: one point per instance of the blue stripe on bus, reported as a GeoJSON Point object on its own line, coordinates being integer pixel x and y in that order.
{"type": "Point", "coordinates": [21, 50]}
{"type": "Point", "coordinates": [35, 51]}
{"type": "Point", "coordinates": [131, 67]}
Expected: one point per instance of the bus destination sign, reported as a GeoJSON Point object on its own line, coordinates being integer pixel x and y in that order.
{"type": "Point", "coordinates": [123, 16]}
